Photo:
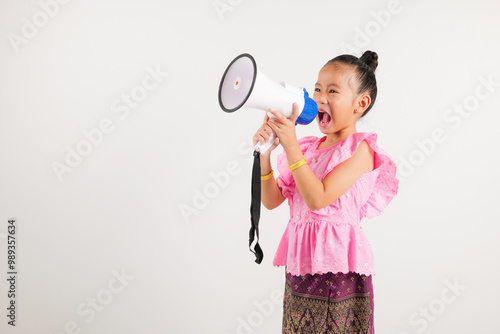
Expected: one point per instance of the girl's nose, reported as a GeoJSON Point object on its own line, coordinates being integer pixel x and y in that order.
{"type": "Point", "coordinates": [321, 98]}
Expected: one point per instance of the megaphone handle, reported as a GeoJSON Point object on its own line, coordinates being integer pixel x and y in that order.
{"type": "Point", "coordinates": [264, 147]}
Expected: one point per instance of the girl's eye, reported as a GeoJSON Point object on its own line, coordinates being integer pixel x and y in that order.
{"type": "Point", "coordinates": [332, 91]}
{"type": "Point", "coordinates": [317, 90]}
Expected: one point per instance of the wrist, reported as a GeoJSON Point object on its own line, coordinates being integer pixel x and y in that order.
{"type": "Point", "coordinates": [267, 176]}
{"type": "Point", "coordinates": [265, 160]}
{"type": "Point", "coordinates": [293, 153]}
{"type": "Point", "coordinates": [265, 165]}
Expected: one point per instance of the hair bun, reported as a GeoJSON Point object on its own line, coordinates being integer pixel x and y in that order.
{"type": "Point", "coordinates": [370, 58]}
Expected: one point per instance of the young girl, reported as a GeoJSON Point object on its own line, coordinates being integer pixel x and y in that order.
{"type": "Point", "coordinates": [331, 183]}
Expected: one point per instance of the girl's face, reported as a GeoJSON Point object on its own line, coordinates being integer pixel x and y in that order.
{"type": "Point", "coordinates": [335, 95]}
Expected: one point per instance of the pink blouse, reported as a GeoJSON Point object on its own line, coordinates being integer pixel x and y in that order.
{"type": "Point", "coordinates": [331, 239]}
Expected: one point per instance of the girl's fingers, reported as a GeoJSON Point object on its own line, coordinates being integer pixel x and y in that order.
{"type": "Point", "coordinates": [268, 129]}
{"type": "Point", "coordinates": [295, 114]}
{"type": "Point", "coordinates": [279, 116]}
{"type": "Point", "coordinates": [264, 135]}
{"type": "Point", "coordinates": [272, 125]}
{"type": "Point", "coordinates": [275, 124]}
{"type": "Point", "coordinates": [265, 132]}
{"type": "Point", "coordinates": [276, 143]}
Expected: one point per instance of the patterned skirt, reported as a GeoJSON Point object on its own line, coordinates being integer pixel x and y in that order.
{"type": "Point", "coordinates": [328, 303]}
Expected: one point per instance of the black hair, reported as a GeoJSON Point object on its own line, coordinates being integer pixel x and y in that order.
{"type": "Point", "coordinates": [365, 67]}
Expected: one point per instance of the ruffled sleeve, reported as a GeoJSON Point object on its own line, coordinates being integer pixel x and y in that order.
{"type": "Point", "coordinates": [285, 179]}
{"type": "Point", "coordinates": [385, 186]}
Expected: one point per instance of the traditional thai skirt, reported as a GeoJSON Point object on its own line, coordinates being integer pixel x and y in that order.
{"type": "Point", "coordinates": [328, 303]}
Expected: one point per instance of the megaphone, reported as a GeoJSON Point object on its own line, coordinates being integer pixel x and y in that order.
{"type": "Point", "coordinates": [244, 86]}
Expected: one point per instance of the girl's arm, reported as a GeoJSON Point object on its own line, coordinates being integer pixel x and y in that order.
{"type": "Point", "coordinates": [271, 195]}
{"type": "Point", "coordinates": [318, 194]}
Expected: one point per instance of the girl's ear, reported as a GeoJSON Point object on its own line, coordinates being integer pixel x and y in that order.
{"type": "Point", "coordinates": [362, 103]}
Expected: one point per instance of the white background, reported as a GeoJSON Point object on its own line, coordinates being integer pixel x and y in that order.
{"type": "Point", "coordinates": [119, 209]}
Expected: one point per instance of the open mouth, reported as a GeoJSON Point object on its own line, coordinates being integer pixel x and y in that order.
{"type": "Point", "coordinates": [324, 118]}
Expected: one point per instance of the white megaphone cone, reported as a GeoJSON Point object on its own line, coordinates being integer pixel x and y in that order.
{"type": "Point", "coordinates": [243, 85]}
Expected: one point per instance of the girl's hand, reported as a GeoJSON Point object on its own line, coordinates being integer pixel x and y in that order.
{"type": "Point", "coordinates": [262, 136]}
{"type": "Point", "coordinates": [284, 127]}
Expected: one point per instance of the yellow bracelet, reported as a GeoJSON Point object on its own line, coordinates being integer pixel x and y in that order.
{"type": "Point", "coordinates": [297, 164]}
{"type": "Point", "coordinates": [267, 177]}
